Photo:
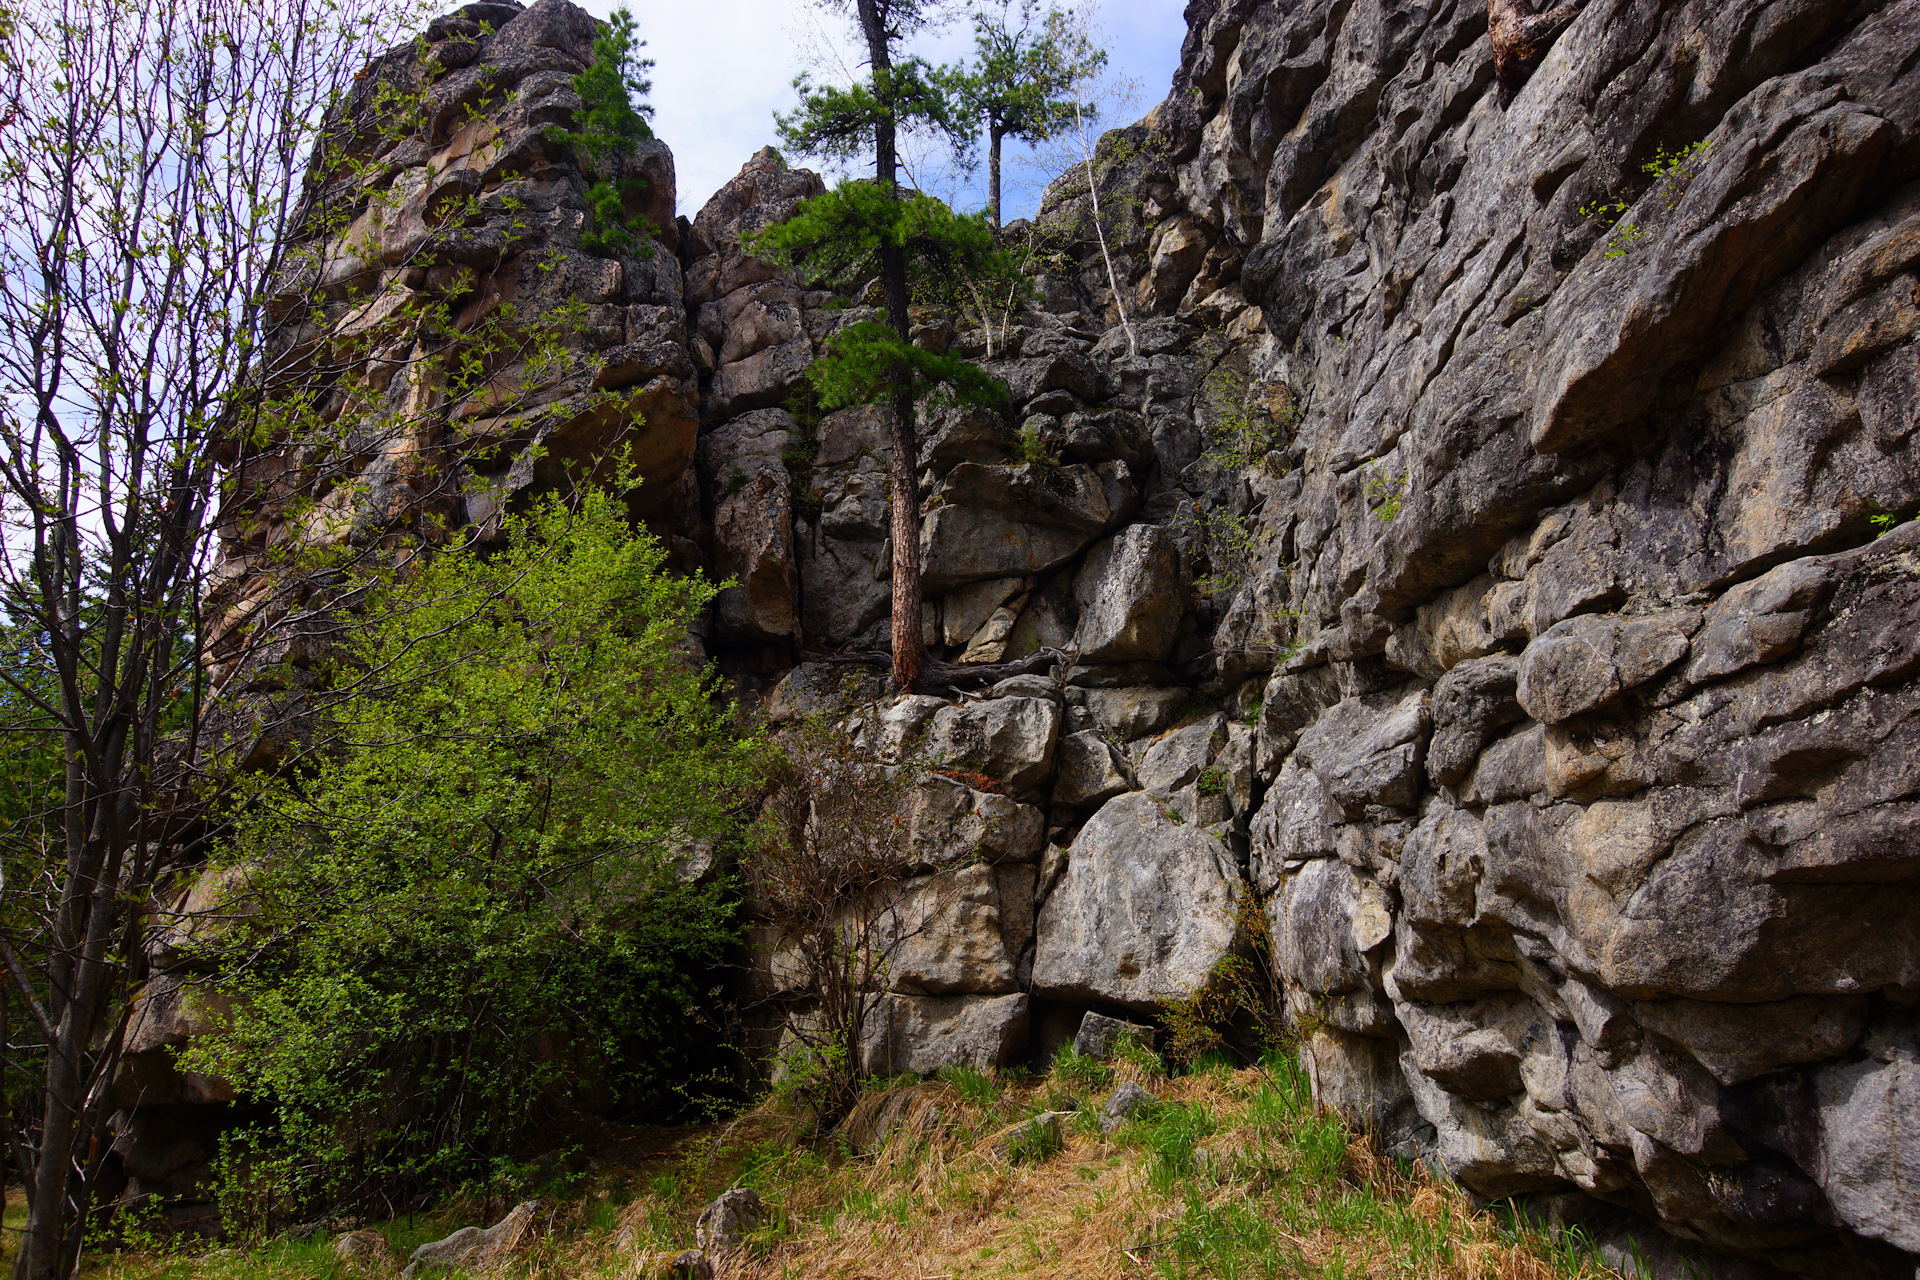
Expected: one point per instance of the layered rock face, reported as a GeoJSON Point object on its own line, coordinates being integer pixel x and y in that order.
{"type": "Point", "coordinates": [1583, 811]}
{"type": "Point", "coordinates": [1487, 549]}
{"type": "Point", "coordinates": [1546, 673]}
{"type": "Point", "coordinates": [457, 344]}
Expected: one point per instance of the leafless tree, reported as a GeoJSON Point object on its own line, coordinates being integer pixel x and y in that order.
{"type": "Point", "coordinates": [829, 867]}
{"type": "Point", "coordinates": [200, 349]}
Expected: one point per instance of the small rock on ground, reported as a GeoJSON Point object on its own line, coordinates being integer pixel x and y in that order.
{"type": "Point", "coordinates": [725, 1223]}
{"type": "Point", "coordinates": [1126, 1100]}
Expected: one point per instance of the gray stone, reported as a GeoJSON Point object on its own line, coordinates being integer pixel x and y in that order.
{"type": "Point", "coordinates": [753, 524]}
{"type": "Point", "coordinates": [964, 610]}
{"type": "Point", "coordinates": [926, 1033]}
{"type": "Point", "coordinates": [1103, 435]}
{"type": "Point", "coordinates": [897, 734]}
{"type": "Point", "coordinates": [1491, 1151]}
{"type": "Point", "coordinates": [1099, 1036]}
{"type": "Point", "coordinates": [1137, 712]}
{"type": "Point", "coordinates": [1126, 1101]}
{"type": "Point", "coordinates": [850, 434]}
{"type": "Point", "coordinates": [476, 1248]}
{"type": "Point", "coordinates": [948, 822]}
{"type": "Point", "coordinates": [1470, 703]}
{"type": "Point", "coordinates": [1046, 623]}
{"type": "Point", "coordinates": [1001, 522]}
{"type": "Point", "coordinates": [1736, 1042]}
{"type": "Point", "coordinates": [1010, 740]}
{"type": "Point", "coordinates": [1128, 593]}
{"type": "Point", "coordinates": [1326, 920]}
{"type": "Point", "coordinates": [1869, 1157]}
{"type": "Point", "coordinates": [1368, 749]}
{"type": "Point", "coordinates": [690, 1264]}
{"type": "Point", "coordinates": [1585, 662]}
{"type": "Point", "coordinates": [1143, 912]}
{"type": "Point", "coordinates": [1473, 1049]}
{"type": "Point", "coordinates": [959, 932]}
{"type": "Point", "coordinates": [1760, 621]}
{"type": "Point", "coordinates": [765, 378]}
{"type": "Point", "coordinates": [962, 434]}
{"type": "Point", "coordinates": [1027, 686]}
{"type": "Point", "coordinates": [845, 587]}
{"type": "Point", "coordinates": [1178, 758]}
{"type": "Point", "coordinates": [1441, 866]}
{"type": "Point", "coordinates": [1290, 702]}
{"type": "Point", "coordinates": [818, 688]}
{"type": "Point", "coordinates": [1089, 770]}
{"type": "Point", "coordinates": [726, 1223]}
{"type": "Point", "coordinates": [1299, 819]}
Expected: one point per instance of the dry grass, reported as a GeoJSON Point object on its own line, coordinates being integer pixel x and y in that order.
{"type": "Point", "coordinates": [1235, 1175]}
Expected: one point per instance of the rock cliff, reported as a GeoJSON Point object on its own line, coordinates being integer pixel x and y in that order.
{"type": "Point", "coordinates": [1488, 548]}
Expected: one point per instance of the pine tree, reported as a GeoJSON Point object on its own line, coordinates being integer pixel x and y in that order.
{"type": "Point", "coordinates": [1022, 82]}
{"type": "Point", "coordinates": [610, 123]}
{"type": "Point", "coordinates": [861, 227]}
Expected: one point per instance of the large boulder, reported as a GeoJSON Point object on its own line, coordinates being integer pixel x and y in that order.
{"type": "Point", "coordinates": [1129, 596]}
{"type": "Point", "coordinates": [1368, 749]}
{"type": "Point", "coordinates": [1143, 912]}
{"type": "Point", "coordinates": [476, 1248]}
{"type": "Point", "coordinates": [928, 1033]}
{"type": "Point", "coordinates": [1869, 1156]}
{"type": "Point", "coordinates": [1330, 926]}
{"type": "Point", "coordinates": [753, 524]}
{"type": "Point", "coordinates": [725, 1224]}
{"type": "Point", "coordinates": [1009, 740]}
{"type": "Point", "coordinates": [1089, 770]}
{"type": "Point", "coordinates": [960, 932]}
{"type": "Point", "coordinates": [948, 822]}
{"type": "Point", "coordinates": [1001, 522]}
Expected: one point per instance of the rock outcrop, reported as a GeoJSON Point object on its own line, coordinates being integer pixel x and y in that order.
{"type": "Point", "coordinates": [1489, 550]}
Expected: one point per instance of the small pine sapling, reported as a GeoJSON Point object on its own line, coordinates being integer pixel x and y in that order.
{"type": "Point", "coordinates": [609, 123]}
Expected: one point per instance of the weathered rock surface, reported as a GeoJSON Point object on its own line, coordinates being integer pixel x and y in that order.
{"type": "Point", "coordinates": [1528, 601]}
{"type": "Point", "coordinates": [927, 1033]}
{"type": "Point", "coordinates": [1129, 597]}
{"type": "Point", "coordinates": [1100, 1036]}
{"type": "Point", "coordinates": [1143, 911]}
{"type": "Point", "coordinates": [1124, 1103]}
{"type": "Point", "coordinates": [723, 1225]}
{"type": "Point", "coordinates": [476, 1249]}
{"type": "Point", "coordinates": [1010, 740]}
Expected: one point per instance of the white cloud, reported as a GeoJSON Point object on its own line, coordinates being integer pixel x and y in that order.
{"type": "Point", "coordinates": [725, 66]}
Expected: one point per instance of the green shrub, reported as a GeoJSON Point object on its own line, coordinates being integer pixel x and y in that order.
{"type": "Point", "coordinates": [468, 912]}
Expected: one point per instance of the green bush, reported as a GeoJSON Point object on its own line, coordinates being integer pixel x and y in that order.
{"type": "Point", "coordinates": [469, 911]}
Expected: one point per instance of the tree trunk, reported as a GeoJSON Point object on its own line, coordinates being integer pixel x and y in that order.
{"type": "Point", "coordinates": [909, 644]}
{"type": "Point", "coordinates": [41, 1243]}
{"type": "Point", "coordinates": [994, 135]}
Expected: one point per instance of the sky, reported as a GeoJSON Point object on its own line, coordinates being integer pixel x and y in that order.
{"type": "Point", "coordinates": [724, 66]}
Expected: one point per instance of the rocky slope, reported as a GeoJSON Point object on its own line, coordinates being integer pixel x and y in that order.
{"type": "Point", "coordinates": [1483, 550]}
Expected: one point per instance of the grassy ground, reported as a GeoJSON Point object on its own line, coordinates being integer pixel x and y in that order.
{"type": "Point", "coordinates": [1232, 1175]}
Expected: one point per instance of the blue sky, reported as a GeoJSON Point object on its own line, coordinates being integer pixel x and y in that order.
{"type": "Point", "coordinates": [724, 67]}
